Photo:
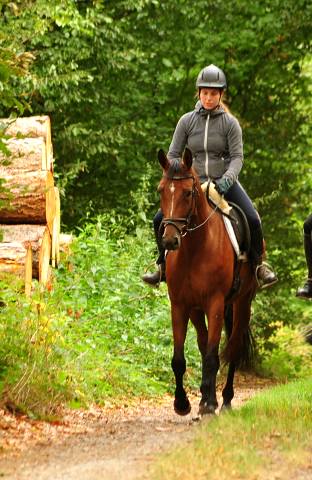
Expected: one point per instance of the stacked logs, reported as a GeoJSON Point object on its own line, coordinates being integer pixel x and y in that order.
{"type": "Point", "coordinates": [30, 221]}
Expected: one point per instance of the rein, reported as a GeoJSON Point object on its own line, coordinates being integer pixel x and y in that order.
{"type": "Point", "coordinates": [172, 221]}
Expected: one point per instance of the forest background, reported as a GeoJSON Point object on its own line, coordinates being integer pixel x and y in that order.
{"type": "Point", "coordinates": [115, 77]}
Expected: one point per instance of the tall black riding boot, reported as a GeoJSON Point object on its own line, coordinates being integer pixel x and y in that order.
{"type": "Point", "coordinates": [154, 279]}
{"type": "Point", "coordinates": [306, 291]}
{"type": "Point", "coordinates": [263, 271]}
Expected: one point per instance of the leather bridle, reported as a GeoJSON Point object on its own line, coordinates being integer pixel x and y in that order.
{"type": "Point", "coordinates": [186, 221]}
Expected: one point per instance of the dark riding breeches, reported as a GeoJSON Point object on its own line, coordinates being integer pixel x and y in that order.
{"type": "Point", "coordinates": [307, 226]}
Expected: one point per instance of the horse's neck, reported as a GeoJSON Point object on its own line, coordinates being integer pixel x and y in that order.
{"type": "Point", "coordinates": [203, 208]}
{"type": "Point", "coordinates": [205, 218]}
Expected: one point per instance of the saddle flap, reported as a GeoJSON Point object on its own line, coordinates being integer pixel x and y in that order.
{"type": "Point", "coordinates": [241, 228]}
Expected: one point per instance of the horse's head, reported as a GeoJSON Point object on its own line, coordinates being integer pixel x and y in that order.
{"type": "Point", "coordinates": [178, 191]}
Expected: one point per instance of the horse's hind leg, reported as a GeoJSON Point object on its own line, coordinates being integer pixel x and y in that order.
{"type": "Point", "coordinates": [228, 391]}
{"type": "Point", "coordinates": [182, 405]}
{"type": "Point", "coordinates": [239, 349]}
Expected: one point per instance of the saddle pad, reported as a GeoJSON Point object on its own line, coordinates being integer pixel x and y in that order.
{"type": "Point", "coordinates": [229, 228]}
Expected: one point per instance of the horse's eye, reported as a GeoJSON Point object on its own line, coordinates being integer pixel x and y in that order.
{"type": "Point", "coordinates": [188, 194]}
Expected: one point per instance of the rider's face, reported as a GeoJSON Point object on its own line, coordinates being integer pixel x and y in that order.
{"type": "Point", "coordinates": [210, 97]}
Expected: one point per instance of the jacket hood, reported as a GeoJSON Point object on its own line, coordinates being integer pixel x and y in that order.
{"type": "Point", "coordinates": [202, 111]}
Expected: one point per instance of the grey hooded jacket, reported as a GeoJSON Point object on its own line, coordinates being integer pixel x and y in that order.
{"type": "Point", "coordinates": [215, 140]}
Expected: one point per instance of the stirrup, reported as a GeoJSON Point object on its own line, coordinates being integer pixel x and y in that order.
{"type": "Point", "coordinates": [162, 276]}
{"type": "Point", "coordinates": [269, 267]}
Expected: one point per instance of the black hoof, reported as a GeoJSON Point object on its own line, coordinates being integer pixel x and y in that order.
{"type": "Point", "coordinates": [205, 409]}
{"type": "Point", "coordinates": [226, 407]}
{"type": "Point", "coordinates": [183, 408]}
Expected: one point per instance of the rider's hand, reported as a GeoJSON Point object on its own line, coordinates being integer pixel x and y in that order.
{"type": "Point", "coordinates": [222, 185]}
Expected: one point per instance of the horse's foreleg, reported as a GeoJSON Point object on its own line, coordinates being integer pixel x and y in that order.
{"type": "Point", "coordinates": [211, 362]}
{"type": "Point", "coordinates": [182, 405]}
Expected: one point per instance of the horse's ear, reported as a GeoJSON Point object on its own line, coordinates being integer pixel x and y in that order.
{"type": "Point", "coordinates": [163, 160]}
{"type": "Point", "coordinates": [188, 159]}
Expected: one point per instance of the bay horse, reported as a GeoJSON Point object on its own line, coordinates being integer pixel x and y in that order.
{"type": "Point", "coordinates": [199, 272]}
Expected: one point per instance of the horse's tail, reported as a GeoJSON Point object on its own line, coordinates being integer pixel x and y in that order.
{"type": "Point", "coordinates": [307, 334]}
{"type": "Point", "coordinates": [246, 359]}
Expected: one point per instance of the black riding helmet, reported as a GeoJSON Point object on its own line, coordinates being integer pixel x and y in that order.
{"type": "Point", "coordinates": [211, 77]}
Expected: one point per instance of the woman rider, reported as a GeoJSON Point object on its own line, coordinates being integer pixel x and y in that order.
{"type": "Point", "coordinates": [306, 291]}
{"type": "Point", "coordinates": [214, 137]}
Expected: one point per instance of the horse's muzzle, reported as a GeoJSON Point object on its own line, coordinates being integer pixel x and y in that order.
{"type": "Point", "coordinates": [171, 239]}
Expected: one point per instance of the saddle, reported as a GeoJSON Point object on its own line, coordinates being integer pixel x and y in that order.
{"type": "Point", "coordinates": [235, 222]}
{"type": "Point", "coordinates": [239, 233]}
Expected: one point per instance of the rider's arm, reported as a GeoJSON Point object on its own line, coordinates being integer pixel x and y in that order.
{"type": "Point", "coordinates": [235, 145]}
{"type": "Point", "coordinates": [179, 139]}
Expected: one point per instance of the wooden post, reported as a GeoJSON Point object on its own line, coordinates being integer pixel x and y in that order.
{"type": "Point", "coordinates": [44, 259]}
{"type": "Point", "coordinates": [56, 230]}
{"type": "Point", "coordinates": [50, 201]}
{"type": "Point", "coordinates": [28, 272]}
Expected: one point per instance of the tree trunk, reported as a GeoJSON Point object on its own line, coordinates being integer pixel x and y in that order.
{"type": "Point", "coordinates": [14, 247]}
{"type": "Point", "coordinates": [32, 127]}
{"type": "Point", "coordinates": [28, 155]}
{"type": "Point", "coordinates": [29, 204]}
{"type": "Point", "coordinates": [33, 201]}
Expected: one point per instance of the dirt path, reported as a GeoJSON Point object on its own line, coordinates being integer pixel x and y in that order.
{"type": "Point", "coordinates": [114, 442]}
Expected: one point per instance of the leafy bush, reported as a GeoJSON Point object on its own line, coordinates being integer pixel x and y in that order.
{"type": "Point", "coordinates": [123, 322]}
{"type": "Point", "coordinates": [32, 353]}
{"type": "Point", "coordinates": [98, 334]}
{"type": "Point", "coordinates": [290, 357]}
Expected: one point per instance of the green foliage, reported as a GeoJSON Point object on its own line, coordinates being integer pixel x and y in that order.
{"type": "Point", "coordinates": [32, 352]}
{"type": "Point", "coordinates": [99, 334]}
{"type": "Point", "coordinates": [116, 76]}
{"type": "Point", "coordinates": [125, 325]}
{"type": "Point", "coordinates": [289, 356]}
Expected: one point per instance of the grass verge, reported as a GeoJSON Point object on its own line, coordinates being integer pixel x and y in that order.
{"type": "Point", "coordinates": [270, 437]}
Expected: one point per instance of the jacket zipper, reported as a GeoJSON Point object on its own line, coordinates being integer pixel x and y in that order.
{"type": "Point", "coordinates": [206, 146]}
